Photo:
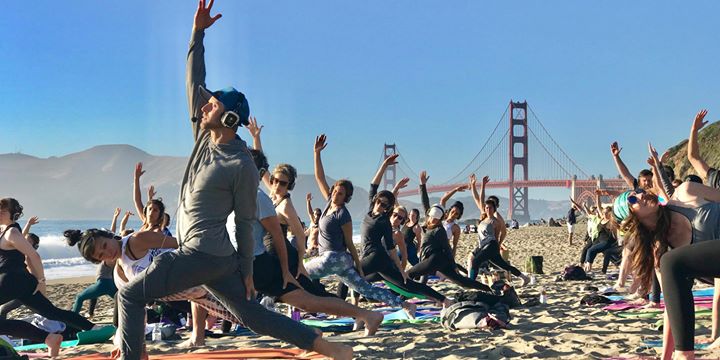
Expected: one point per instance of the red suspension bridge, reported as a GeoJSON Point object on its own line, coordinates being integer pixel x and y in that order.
{"type": "Point", "coordinates": [505, 155]}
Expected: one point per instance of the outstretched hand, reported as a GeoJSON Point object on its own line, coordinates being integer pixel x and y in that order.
{"type": "Point", "coordinates": [253, 127]}
{"type": "Point", "coordinates": [472, 181]}
{"type": "Point", "coordinates": [423, 177]}
{"type": "Point", "coordinates": [698, 123]}
{"type": "Point", "coordinates": [665, 157]}
{"type": "Point", "coordinates": [33, 220]}
{"type": "Point", "coordinates": [653, 154]}
{"type": "Point", "coordinates": [320, 143]}
{"type": "Point", "coordinates": [390, 160]}
{"type": "Point", "coordinates": [117, 212]}
{"type": "Point", "coordinates": [308, 197]}
{"type": "Point", "coordinates": [615, 149]}
{"type": "Point", "coordinates": [402, 183]}
{"type": "Point", "coordinates": [203, 20]}
{"type": "Point", "coordinates": [485, 180]}
{"type": "Point", "coordinates": [139, 170]}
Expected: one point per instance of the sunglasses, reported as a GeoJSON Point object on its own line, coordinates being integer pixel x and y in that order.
{"type": "Point", "coordinates": [282, 183]}
{"type": "Point", "coordinates": [384, 205]}
{"type": "Point", "coordinates": [399, 217]}
{"type": "Point", "coordinates": [632, 199]}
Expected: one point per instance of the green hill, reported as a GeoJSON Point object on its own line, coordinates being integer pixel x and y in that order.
{"type": "Point", "coordinates": [709, 140]}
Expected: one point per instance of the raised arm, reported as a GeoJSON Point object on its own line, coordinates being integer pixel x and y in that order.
{"type": "Point", "coordinates": [195, 68]}
{"type": "Point", "coordinates": [423, 191]}
{"type": "Point", "coordinates": [320, 144]}
{"type": "Point", "coordinates": [254, 129]}
{"type": "Point", "coordinates": [400, 185]}
{"type": "Point", "coordinates": [137, 197]}
{"type": "Point", "coordinates": [620, 165]}
{"type": "Point", "coordinates": [577, 206]}
{"type": "Point", "coordinates": [32, 221]}
{"type": "Point", "coordinates": [390, 160]}
{"type": "Point", "coordinates": [474, 192]}
{"type": "Point", "coordinates": [309, 208]}
{"type": "Point", "coordinates": [124, 221]}
{"type": "Point", "coordinates": [113, 224]}
{"type": "Point", "coordinates": [659, 176]}
{"type": "Point", "coordinates": [483, 183]}
{"type": "Point", "coordinates": [444, 199]}
{"type": "Point", "coordinates": [148, 239]}
{"type": "Point", "coordinates": [598, 207]}
{"type": "Point", "coordinates": [700, 166]}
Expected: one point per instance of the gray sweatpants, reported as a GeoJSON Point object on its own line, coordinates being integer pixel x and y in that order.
{"type": "Point", "coordinates": [181, 269]}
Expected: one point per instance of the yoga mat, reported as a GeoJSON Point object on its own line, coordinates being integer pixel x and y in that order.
{"type": "Point", "coordinates": [657, 313]}
{"type": "Point", "coordinates": [83, 338]}
{"type": "Point", "coordinates": [402, 292]}
{"type": "Point", "coordinates": [700, 302]}
{"type": "Point", "coordinates": [225, 355]}
{"type": "Point", "coordinates": [696, 293]}
{"type": "Point", "coordinates": [658, 344]}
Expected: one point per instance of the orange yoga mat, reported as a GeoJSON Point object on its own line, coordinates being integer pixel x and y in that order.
{"type": "Point", "coordinates": [224, 355]}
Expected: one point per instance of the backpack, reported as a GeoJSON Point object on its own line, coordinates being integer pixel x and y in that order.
{"type": "Point", "coordinates": [474, 315]}
{"type": "Point", "coordinates": [574, 272]}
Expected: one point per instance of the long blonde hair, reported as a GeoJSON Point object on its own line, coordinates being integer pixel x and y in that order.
{"type": "Point", "coordinates": [646, 246]}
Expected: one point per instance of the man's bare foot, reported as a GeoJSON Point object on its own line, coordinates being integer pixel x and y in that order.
{"type": "Point", "coordinates": [372, 322]}
{"type": "Point", "coordinates": [409, 308]}
{"type": "Point", "coordinates": [332, 350]}
{"type": "Point", "coordinates": [53, 343]}
{"type": "Point", "coordinates": [191, 343]}
{"type": "Point", "coordinates": [684, 355]}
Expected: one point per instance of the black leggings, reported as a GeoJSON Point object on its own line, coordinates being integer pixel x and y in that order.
{"type": "Point", "coordinates": [20, 286]}
{"type": "Point", "coordinates": [379, 266]}
{"type": "Point", "coordinates": [490, 252]}
{"type": "Point", "coordinates": [22, 330]}
{"type": "Point", "coordinates": [446, 266]}
{"type": "Point", "coordinates": [679, 267]}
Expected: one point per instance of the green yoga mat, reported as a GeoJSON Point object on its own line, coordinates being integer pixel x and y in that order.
{"type": "Point", "coordinates": [83, 338]}
{"type": "Point", "coordinates": [657, 313]}
{"type": "Point", "coordinates": [402, 292]}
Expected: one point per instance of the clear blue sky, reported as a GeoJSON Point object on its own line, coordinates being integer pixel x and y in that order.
{"type": "Point", "coordinates": [433, 77]}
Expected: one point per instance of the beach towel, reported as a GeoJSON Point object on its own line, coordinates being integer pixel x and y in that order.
{"type": "Point", "coordinates": [224, 355]}
{"type": "Point", "coordinates": [83, 338]}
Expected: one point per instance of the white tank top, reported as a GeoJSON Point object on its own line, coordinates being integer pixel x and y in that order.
{"type": "Point", "coordinates": [448, 229]}
{"type": "Point", "coordinates": [132, 267]}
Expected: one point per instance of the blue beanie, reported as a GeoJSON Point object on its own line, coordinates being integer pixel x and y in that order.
{"type": "Point", "coordinates": [621, 207]}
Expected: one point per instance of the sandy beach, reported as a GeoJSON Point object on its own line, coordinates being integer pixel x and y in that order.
{"type": "Point", "coordinates": [561, 329]}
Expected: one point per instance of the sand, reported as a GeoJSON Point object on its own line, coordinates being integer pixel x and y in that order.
{"type": "Point", "coordinates": [561, 329]}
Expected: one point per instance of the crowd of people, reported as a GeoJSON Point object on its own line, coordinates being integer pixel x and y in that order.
{"type": "Point", "coordinates": [659, 231]}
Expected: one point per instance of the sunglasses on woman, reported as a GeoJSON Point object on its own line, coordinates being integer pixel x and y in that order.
{"type": "Point", "coordinates": [282, 183]}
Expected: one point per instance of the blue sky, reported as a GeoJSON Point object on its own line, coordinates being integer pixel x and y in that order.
{"type": "Point", "coordinates": [432, 77]}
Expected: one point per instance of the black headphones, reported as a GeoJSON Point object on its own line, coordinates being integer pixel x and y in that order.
{"type": "Point", "coordinates": [230, 119]}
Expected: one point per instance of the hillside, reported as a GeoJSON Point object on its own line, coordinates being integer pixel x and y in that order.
{"type": "Point", "coordinates": [88, 185]}
{"type": "Point", "coordinates": [709, 141]}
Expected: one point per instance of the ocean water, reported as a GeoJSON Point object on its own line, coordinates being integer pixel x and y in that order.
{"type": "Point", "coordinates": [62, 261]}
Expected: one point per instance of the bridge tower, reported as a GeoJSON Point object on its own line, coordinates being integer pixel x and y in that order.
{"type": "Point", "coordinates": [518, 169]}
{"type": "Point", "coordinates": [390, 173]}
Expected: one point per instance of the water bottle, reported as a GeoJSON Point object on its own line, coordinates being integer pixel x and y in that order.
{"type": "Point", "coordinates": [543, 296]}
{"type": "Point", "coordinates": [156, 333]}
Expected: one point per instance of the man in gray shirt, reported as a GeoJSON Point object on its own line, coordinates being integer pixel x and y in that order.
{"type": "Point", "coordinates": [220, 178]}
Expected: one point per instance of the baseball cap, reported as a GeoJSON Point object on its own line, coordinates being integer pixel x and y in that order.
{"type": "Point", "coordinates": [231, 99]}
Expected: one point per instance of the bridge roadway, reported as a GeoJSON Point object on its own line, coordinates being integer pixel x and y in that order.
{"type": "Point", "coordinates": [613, 186]}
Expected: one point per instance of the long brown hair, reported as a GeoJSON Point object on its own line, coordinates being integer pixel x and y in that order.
{"type": "Point", "coordinates": [645, 245]}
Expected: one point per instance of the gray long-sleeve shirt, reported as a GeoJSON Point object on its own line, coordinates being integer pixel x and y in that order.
{"type": "Point", "coordinates": [219, 179]}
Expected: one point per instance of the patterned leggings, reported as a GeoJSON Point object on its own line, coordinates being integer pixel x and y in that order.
{"type": "Point", "coordinates": [206, 300]}
{"type": "Point", "coordinates": [340, 263]}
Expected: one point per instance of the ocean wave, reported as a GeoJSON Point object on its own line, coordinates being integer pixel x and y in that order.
{"type": "Point", "coordinates": [51, 263]}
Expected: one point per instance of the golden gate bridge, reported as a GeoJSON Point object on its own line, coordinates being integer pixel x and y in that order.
{"type": "Point", "coordinates": [505, 158]}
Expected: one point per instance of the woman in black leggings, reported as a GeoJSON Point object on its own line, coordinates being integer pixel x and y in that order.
{"type": "Point", "coordinates": [489, 234]}
{"type": "Point", "coordinates": [16, 283]}
{"type": "Point", "coordinates": [379, 258]}
{"type": "Point", "coordinates": [435, 252]}
{"type": "Point", "coordinates": [681, 237]}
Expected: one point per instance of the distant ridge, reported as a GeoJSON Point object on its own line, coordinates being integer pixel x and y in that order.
{"type": "Point", "coordinates": [89, 184]}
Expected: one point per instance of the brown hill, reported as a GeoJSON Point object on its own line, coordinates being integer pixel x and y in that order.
{"type": "Point", "coordinates": [709, 141]}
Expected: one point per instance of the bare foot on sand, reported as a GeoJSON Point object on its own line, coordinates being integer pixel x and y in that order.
{"type": "Point", "coordinates": [409, 308]}
{"type": "Point", "coordinates": [332, 350]}
{"type": "Point", "coordinates": [53, 343]}
{"type": "Point", "coordinates": [191, 343]}
{"type": "Point", "coordinates": [372, 322]}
